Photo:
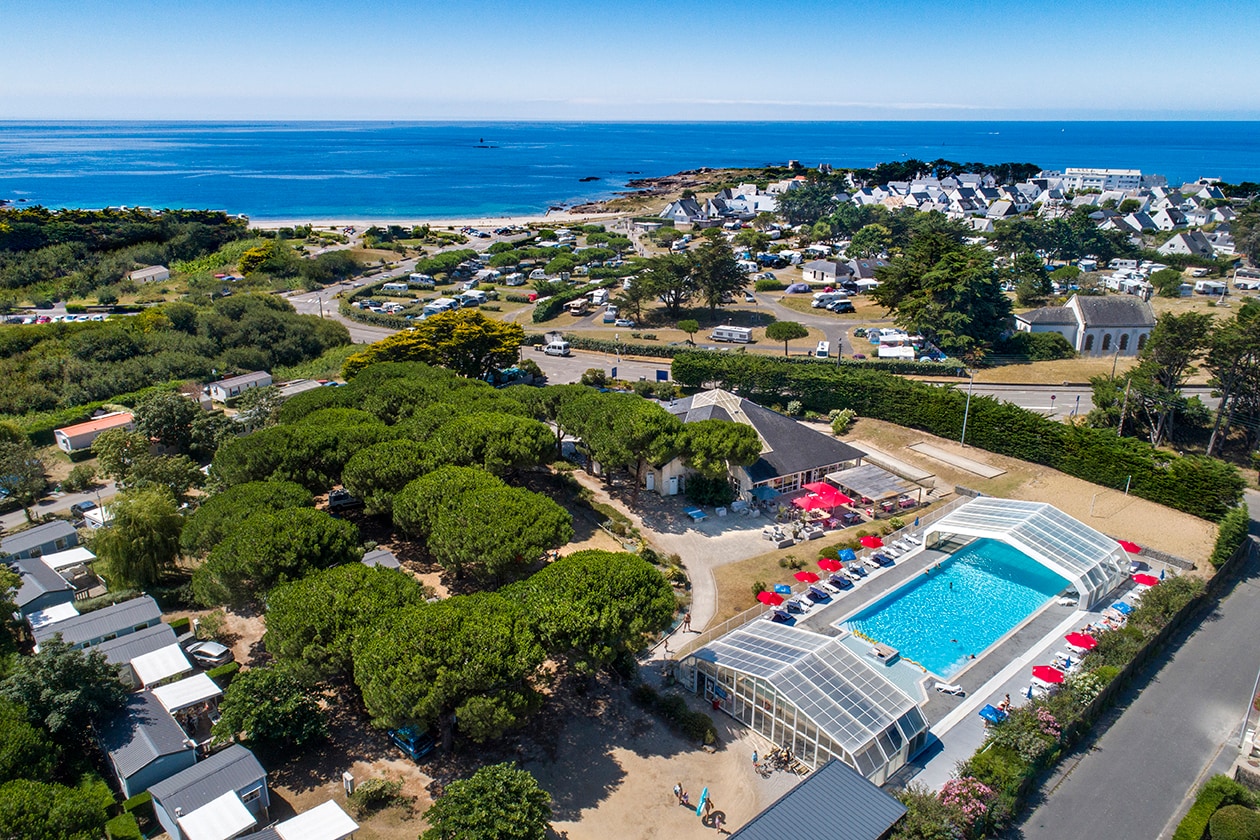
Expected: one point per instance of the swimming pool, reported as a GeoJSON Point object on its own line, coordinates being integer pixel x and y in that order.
{"type": "Point", "coordinates": [976, 596]}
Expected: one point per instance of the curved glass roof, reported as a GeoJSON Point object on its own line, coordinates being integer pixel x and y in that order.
{"type": "Point", "coordinates": [1093, 561]}
{"type": "Point", "coordinates": [856, 706]}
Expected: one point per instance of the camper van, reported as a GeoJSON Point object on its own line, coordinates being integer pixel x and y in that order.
{"type": "Point", "coordinates": [538, 274]}
{"type": "Point", "coordinates": [395, 287]}
{"type": "Point", "coordinates": [823, 350]}
{"type": "Point", "coordinates": [440, 305]}
{"type": "Point", "coordinates": [557, 348]}
{"type": "Point", "coordinates": [473, 297]}
{"type": "Point", "coordinates": [420, 281]}
{"type": "Point", "coordinates": [599, 297]}
{"type": "Point", "coordinates": [738, 335]}
{"type": "Point", "coordinates": [822, 299]}
{"type": "Point", "coordinates": [577, 307]}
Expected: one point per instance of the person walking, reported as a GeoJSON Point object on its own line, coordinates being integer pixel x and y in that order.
{"type": "Point", "coordinates": [687, 622]}
{"type": "Point", "coordinates": [678, 792]}
{"type": "Point", "coordinates": [717, 821]}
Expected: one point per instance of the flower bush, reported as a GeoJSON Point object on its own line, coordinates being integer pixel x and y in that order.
{"type": "Point", "coordinates": [970, 796]}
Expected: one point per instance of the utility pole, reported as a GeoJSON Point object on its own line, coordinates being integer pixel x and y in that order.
{"type": "Point", "coordinates": [1115, 359]}
{"type": "Point", "coordinates": [1124, 407]}
{"type": "Point", "coordinates": [971, 378]}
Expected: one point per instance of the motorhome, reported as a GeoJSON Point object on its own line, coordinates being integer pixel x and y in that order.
{"type": "Point", "coordinates": [738, 335]}
{"type": "Point", "coordinates": [473, 297]}
{"type": "Point", "coordinates": [822, 299]}
{"type": "Point", "coordinates": [436, 307]}
{"type": "Point", "coordinates": [599, 297]}
{"type": "Point", "coordinates": [395, 287]}
{"type": "Point", "coordinates": [1209, 287]}
{"type": "Point", "coordinates": [823, 350]}
{"type": "Point", "coordinates": [420, 281]}
{"type": "Point", "coordinates": [577, 307]}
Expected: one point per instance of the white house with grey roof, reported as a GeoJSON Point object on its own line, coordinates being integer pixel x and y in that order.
{"type": "Point", "coordinates": [103, 625]}
{"type": "Point", "coordinates": [1095, 324]}
{"type": "Point", "coordinates": [145, 745]}
{"type": "Point", "coordinates": [1191, 243]}
{"type": "Point", "coordinates": [219, 798]}
{"type": "Point", "coordinates": [234, 386]}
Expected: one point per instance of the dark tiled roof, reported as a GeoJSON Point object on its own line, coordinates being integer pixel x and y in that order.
{"type": "Point", "coordinates": [37, 536]}
{"type": "Point", "coordinates": [37, 580]}
{"type": "Point", "coordinates": [790, 447]}
{"type": "Point", "coordinates": [93, 625]}
{"type": "Point", "coordinates": [1049, 315]}
{"type": "Point", "coordinates": [856, 809]}
{"type": "Point", "coordinates": [122, 650]}
{"type": "Point", "coordinates": [141, 733]}
{"type": "Point", "coordinates": [1115, 311]}
{"type": "Point", "coordinates": [230, 770]}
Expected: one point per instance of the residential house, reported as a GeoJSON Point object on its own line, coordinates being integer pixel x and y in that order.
{"type": "Point", "coordinates": [684, 211]}
{"type": "Point", "coordinates": [103, 625]}
{"type": "Point", "coordinates": [1191, 242]}
{"type": "Point", "coordinates": [41, 588]}
{"type": "Point", "coordinates": [869, 813]}
{"type": "Point", "coordinates": [825, 271]}
{"type": "Point", "coordinates": [218, 798]}
{"type": "Point", "coordinates": [1141, 222]}
{"type": "Point", "coordinates": [1095, 325]}
{"type": "Point", "coordinates": [141, 645]}
{"type": "Point", "coordinates": [234, 386]}
{"type": "Point", "coordinates": [865, 267]}
{"type": "Point", "coordinates": [1169, 218]}
{"type": "Point", "coordinates": [1003, 209]}
{"type": "Point", "coordinates": [298, 386]}
{"type": "Point", "coordinates": [81, 436]}
{"type": "Point", "coordinates": [145, 745]}
{"type": "Point", "coordinates": [792, 454]}
{"type": "Point", "coordinates": [50, 537]}
{"type": "Point", "coordinates": [150, 274]}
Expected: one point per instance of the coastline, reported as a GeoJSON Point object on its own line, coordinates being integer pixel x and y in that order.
{"type": "Point", "coordinates": [559, 217]}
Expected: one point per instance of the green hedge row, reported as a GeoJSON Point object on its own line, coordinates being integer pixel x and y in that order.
{"type": "Point", "coordinates": [224, 674]}
{"type": "Point", "coordinates": [552, 306]}
{"type": "Point", "coordinates": [1198, 485]}
{"type": "Point", "coordinates": [123, 827]}
{"type": "Point", "coordinates": [1218, 792]}
{"type": "Point", "coordinates": [39, 425]}
{"type": "Point", "coordinates": [1232, 533]}
{"type": "Point", "coordinates": [375, 319]}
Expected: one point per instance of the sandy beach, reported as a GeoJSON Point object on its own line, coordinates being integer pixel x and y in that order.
{"type": "Point", "coordinates": [556, 217]}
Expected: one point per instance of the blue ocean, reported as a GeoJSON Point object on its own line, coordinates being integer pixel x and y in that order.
{"type": "Point", "coordinates": [381, 170]}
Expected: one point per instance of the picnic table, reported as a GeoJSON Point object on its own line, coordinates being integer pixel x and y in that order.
{"type": "Point", "coordinates": [696, 514]}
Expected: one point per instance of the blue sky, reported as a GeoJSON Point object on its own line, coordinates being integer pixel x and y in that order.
{"type": "Point", "coordinates": [646, 59]}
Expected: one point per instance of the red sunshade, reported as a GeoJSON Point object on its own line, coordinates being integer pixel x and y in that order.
{"type": "Point", "coordinates": [1132, 548]}
{"type": "Point", "coordinates": [810, 502]}
{"type": "Point", "coordinates": [1146, 580]}
{"type": "Point", "coordinates": [829, 565]}
{"type": "Point", "coordinates": [769, 598]}
{"type": "Point", "coordinates": [1047, 674]}
{"type": "Point", "coordinates": [806, 577]}
{"type": "Point", "coordinates": [871, 542]}
{"type": "Point", "coordinates": [817, 487]}
{"type": "Point", "coordinates": [1081, 640]}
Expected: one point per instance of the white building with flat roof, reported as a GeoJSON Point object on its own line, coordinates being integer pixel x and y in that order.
{"type": "Point", "coordinates": [1080, 178]}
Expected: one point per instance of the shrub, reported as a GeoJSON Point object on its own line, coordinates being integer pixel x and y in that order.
{"type": "Point", "coordinates": [768, 286]}
{"type": "Point", "coordinates": [794, 408]}
{"type": "Point", "coordinates": [999, 768]}
{"type": "Point", "coordinates": [81, 478]}
{"type": "Point", "coordinates": [373, 795]}
{"type": "Point", "coordinates": [595, 378]}
{"type": "Point", "coordinates": [224, 674]}
{"type": "Point", "coordinates": [1216, 793]}
{"type": "Point", "coordinates": [180, 625]}
{"type": "Point", "coordinates": [715, 492]}
{"type": "Point", "coordinates": [1232, 534]}
{"type": "Point", "coordinates": [1235, 822]}
{"type": "Point", "coordinates": [123, 827]}
{"type": "Point", "coordinates": [841, 420]}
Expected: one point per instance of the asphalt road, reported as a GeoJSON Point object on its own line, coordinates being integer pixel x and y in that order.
{"type": "Point", "coordinates": [59, 504]}
{"type": "Point", "coordinates": [562, 370]}
{"type": "Point", "coordinates": [1136, 779]}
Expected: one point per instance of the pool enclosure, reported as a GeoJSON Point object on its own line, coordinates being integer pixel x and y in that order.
{"type": "Point", "coordinates": [1094, 563]}
{"type": "Point", "coordinates": [810, 693]}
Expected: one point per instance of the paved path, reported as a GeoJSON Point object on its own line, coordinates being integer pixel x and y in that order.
{"type": "Point", "coordinates": [58, 504]}
{"type": "Point", "coordinates": [1135, 779]}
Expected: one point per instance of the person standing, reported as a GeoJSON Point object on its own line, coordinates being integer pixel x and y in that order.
{"type": "Point", "coordinates": [678, 791]}
{"type": "Point", "coordinates": [687, 622]}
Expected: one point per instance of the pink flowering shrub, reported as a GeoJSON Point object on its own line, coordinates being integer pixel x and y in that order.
{"type": "Point", "coordinates": [968, 795]}
{"type": "Point", "coordinates": [1047, 722]}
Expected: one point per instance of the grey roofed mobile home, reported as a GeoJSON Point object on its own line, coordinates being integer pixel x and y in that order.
{"type": "Point", "coordinates": [234, 386]}
{"type": "Point", "coordinates": [41, 587]}
{"type": "Point", "coordinates": [104, 624]}
{"type": "Point", "coordinates": [234, 769]}
{"type": "Point", "coordinates": [40, 540]}
{"type": "Point", "coordinates": [381, 557]}
{"type": "Point", "coordinates": [122, 650]}
{"type": "Point", "coordinates": [145, 745]}
{"type": "Point", "coordinates": [862, 811]}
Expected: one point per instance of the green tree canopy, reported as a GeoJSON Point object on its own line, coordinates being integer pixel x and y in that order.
{"type": "Point", "coordinates": [717, 274]}
{"type": "Point", "coordinates": [313, 623]}
{"type": "Point", "coordinates": [497, 530]}
{"type": "Point", "coordinates": [22, 474]}
{"type": "Point", "coordinates": [143, 542]}
{"type": "Point", "coordinates": [786, 331]}
{"type": "Point", "coordinates": [1167, 282]}
{"type": "Point", "coordinates": [221, 513]}
{"type": "Point", "coordinates": [34, 810]}
{"type": "Point", "coordinates": [545, 404]}
{"type": "Point", "coordinates": [418, 505]}
{"type": "Point", "coordinates": [669, 278]}
{"type": "Point", "coordinates": [274, 547]}
{"type": "Point", "coordinates": [464, 341]}
{"type": "Point", "coordinates": [498, 802]}
{"type": "Point", "coordinates": [871, 241]}
{"type": "Point", "coordinates": [622, 431]}
{"type": "Point", "coordinates": [712, 447]}
{"type": "Point", "coordinates": [1233, 359]}
{"type": "Point", "coordinates": [173, 474]}
{"type": "Point", "coordinates": [596, 605]}
{"type": "Point", "coordinates": [63, 689]}
{"type": "Point", "coordinates": [807, 204]}
{"type": "Point", "coordinates": [470, 656]}
{"type": "Point", "coordinates": [167, 417]}
{"type": "Point", "coordinates": [499, 443]}
{"type": "Point", "coordinates": [117, 451]}
{"type": "Point", "coordinates": [26, 752]}
{"type": "Point", "coordinates": [271, 709]}
{"type": "Point", "coordinates": [378, 472]}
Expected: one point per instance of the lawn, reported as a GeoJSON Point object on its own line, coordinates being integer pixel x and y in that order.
{"type": "Point", "coordinates": [867, 309]}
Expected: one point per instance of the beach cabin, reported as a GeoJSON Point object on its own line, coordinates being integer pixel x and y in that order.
{"type": "Point", "coordinates": [48, 538]}
{"type": "Point", "coordinates": [221, 797]}
{"type": "Point", "coordinates": [81, 436]}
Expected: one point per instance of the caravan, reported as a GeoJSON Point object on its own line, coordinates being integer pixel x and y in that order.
{"type": "Point", "coordinates": [738, 335]}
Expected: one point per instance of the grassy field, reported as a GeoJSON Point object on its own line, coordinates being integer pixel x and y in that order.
{"type": "Point", "coordinates": [867, 309]}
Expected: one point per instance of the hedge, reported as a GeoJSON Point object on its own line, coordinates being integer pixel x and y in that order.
{"type": "Point", "coordinates": [551, 307]}
{"type": "Point", "coordinates": [768, 285]}
{"type": "Point", "coordinates": [137, 802]}
{"type": "Point", "coordinates": [1218, 792]}
{"type": "Point", "coordinates": [1198, 485]}
{"type": "Point", "coordinates": [375, 319]}
{"type": "Point", "coordinates": [1235, 822]}
{"type": "Point", "coordinates": [39, 426]}
{"type": "Point", "coordinates": [1232, 533]}
{"type": "Point", "coordinates": [123, 827]}
{"type": "Point", "coordinates": [180, 625]}
{"type": "Point", "coordinates": [224, 674]}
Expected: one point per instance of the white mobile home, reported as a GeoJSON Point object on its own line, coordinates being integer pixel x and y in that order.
{"type": "Point", "coordinates": [738, 335]}
{"type": "Point", "coordinates": [234, 386]}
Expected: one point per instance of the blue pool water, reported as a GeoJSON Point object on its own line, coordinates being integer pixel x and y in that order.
{"type": "Point", "coordinates": [975, 597]}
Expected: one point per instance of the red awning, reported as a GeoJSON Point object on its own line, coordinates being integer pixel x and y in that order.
{"type": "Point", "coordinates": [806, 577]}
{"type": "Point", "coordinates": [1047, 674]}
{"type": "Point", "coordinates": [769, 599]}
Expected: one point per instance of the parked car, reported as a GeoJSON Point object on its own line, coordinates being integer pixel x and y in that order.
{"type": "Point", "coordinates": [415, 743]}
{"type": "Point", "coordinates": [749, 297]}
{"type": "Point", "coordinates": [210, 654]}
{"type": "Point", "coordinates": [624, 322]}
{"type": "Point", "coordinates": [81, 508]}
{"type": "Point", "coordinates": [841, 306]}
{"type": "Point", "coordinates": [340, 499]}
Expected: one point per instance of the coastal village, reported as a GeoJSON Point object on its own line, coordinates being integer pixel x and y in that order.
{"type": "Point", "coordinates": [748, 495]}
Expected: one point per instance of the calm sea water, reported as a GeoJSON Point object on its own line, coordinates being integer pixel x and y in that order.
{"type": "Point", "coordinates": [444, 170]}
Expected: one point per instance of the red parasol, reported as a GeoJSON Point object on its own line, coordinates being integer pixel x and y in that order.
{"type": "Point", "coordinates": [1146, 580]}
{"type": "Point", "coordinates": [769, 599]}
{"type": "Point", "coordinates": [828, 494]}
{"type": "Point", "coordinates": [871, 542]}
{"type": "Point", "coordinates": [1047, 674]}
{"type": "Point", "coordinates": [1132, 548]}
{"type": "Point", "coordinates": [1081, 640]}
{"type": "Point", "coordinates": [810, 502]}
{"type": "Point", "coordinates": [806, 577]}
{"type": "Point", "coordinates": [817, 487]}
{"type": "Point", "coordinates": [829, 565]}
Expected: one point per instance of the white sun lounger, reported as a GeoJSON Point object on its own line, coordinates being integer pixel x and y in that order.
{"type": "Point", "coordinates": [853, 576]}
{"type": "Point", "coordinates": [913, 540]}
{"type": "Point", "coordinates": [950, 688]}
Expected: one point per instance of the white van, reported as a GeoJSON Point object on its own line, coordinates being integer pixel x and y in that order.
{"type": "Point", "coordinates": [823, 350]}
{"type": "Point", "coordinates": [538, 274]}
{"type": "Point", "coordinates": [821, 299]}
{"type": "Point", "coordinates": [421, 281]}
{"type": "Point", "coordinates": [738, 335]}
{"type": "Point", "coordinates": [395, 287]}
{"type": "Point", "coordinates": [473, 297]}
{"type": "Point", "coordinates": [557, 348]}
{"type": "Point", "coordinates": [599, 297]}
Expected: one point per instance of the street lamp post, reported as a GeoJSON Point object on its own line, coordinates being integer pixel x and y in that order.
{"type": "Point", "coordinates": [971, 378]}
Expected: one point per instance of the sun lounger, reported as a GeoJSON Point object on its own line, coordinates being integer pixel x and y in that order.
{"type": "Point", "coordinates": [840, 581]}
{"type": "Point", "coordinates": [950, 688]}
{"type": "Point", "coordinates": [853, 576]}
{"type": "Point", "coordinates": [830, 588]}
{"type": "Point", "coordinates": [882, 559]}
{"type": "Point", "coordinates": [913, 540]}
{"type": "Point", "coordinates": [1042, 684]}
{"type": "Point", "coordinates": [1066, 602]}
{"type": "Point", "coordinates": [817, 593]}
